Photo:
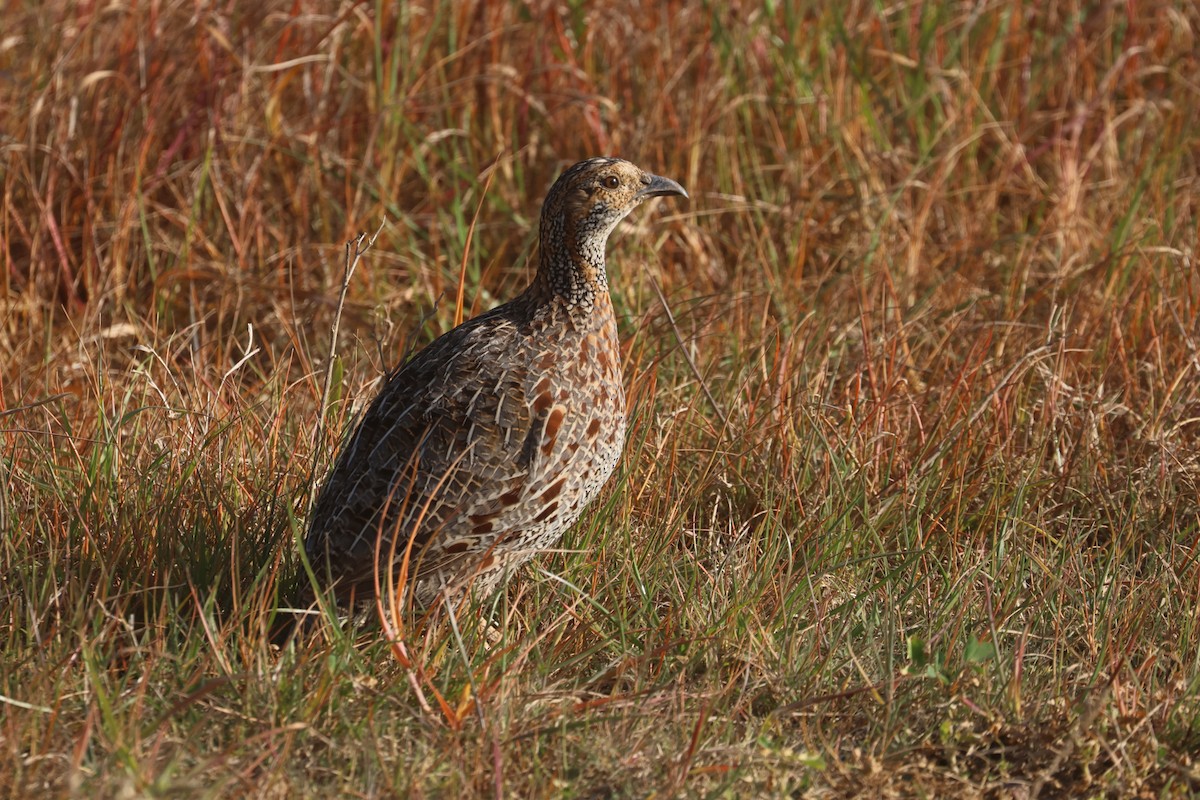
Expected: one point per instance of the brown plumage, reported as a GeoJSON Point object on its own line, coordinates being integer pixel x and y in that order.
{"type": "Point", "coordinates": [486, 446]}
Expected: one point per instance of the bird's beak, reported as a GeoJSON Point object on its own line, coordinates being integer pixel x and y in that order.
{"type": "Point", "coordinates": [658, 186]}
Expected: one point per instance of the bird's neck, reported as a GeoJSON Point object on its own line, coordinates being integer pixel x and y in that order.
{"type": "Point", "coordinates": [571, 269]}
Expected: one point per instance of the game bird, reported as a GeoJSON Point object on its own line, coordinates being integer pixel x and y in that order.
{"type": "Point", "coordinates": [485, 446]}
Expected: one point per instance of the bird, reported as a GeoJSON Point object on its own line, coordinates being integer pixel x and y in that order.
{"type": "Point", "coordinates": [485, 446]}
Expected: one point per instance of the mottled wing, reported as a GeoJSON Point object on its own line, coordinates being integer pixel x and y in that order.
{"type": "Point", "coordinates": [442, 457]}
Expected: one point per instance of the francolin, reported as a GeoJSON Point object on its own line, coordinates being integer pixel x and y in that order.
{"type": "Point", "coordinates": [485, 446]}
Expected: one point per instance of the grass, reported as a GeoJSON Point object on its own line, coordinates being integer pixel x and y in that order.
{"type": "Point", "coordinates": [909, 500]}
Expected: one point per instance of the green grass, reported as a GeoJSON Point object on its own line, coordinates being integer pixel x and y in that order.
{"type": "Point", "coordinates": [909, 504]}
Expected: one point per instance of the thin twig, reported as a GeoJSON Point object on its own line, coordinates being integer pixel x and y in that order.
{"type": "Point", "coordinates": [355, 250]}
{"type": "Point", "coordinates": [712, 401]}
{"type": "Point", "coordinates": [44, 401]}
{"type": "Point", "coordinates": [22, 704]}
{"type": "Point", "coordinates": [462, 268]}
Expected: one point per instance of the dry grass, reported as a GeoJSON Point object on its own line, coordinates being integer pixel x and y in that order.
{"type": "Point", "coordinates": [910, 504]}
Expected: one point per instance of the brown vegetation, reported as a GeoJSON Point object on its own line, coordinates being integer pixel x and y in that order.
{"type": "Point", "coordinates": [910, 499]}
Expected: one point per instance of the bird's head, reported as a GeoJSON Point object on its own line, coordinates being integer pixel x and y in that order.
{"type": "Point", "coordinates": [594, 195]}
{"type": "Point", "coordinates": [584, 205]}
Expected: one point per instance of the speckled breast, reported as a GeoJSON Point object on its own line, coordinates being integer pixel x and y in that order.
{"type": "Point", "coordinates": [578, 398]}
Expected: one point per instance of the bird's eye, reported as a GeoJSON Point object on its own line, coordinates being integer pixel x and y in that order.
{"type": "Point", "coordinates": [610, 182]}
